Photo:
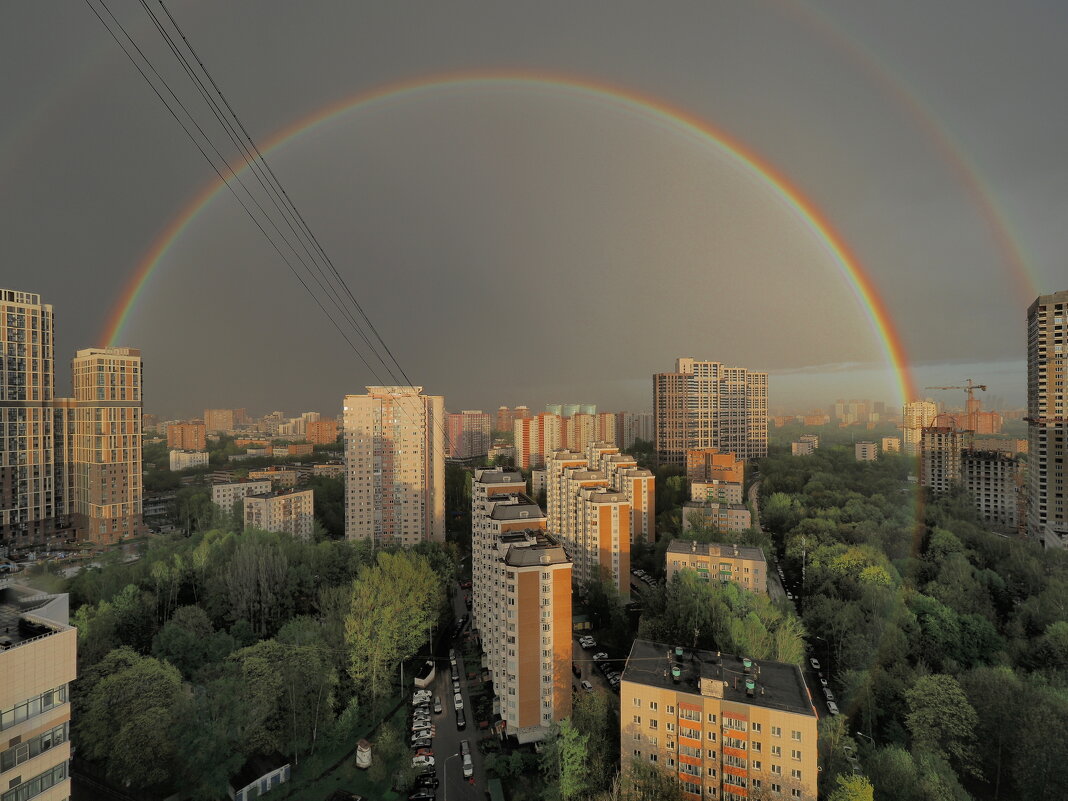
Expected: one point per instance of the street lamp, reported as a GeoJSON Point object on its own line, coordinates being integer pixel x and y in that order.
{"type": "Point", "coordinates": [445, 775]}
{"type": "Point", "coordinates": [827, 651]}
{"type": "Point", "coordinates": [865, 736]}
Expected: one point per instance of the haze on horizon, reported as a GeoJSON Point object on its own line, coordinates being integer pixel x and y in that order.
{"type": "Point", "coordinates": [517, 244]}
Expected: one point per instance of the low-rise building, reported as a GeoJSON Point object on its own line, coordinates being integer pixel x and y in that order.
{"type": "Point", "coordinates": [37, 664]}
{"type": "Point", "coordinates": [724, 517]}
{"type": "Point", "coordinates": [865, 451]}
{"type": "Point", "coordinates": [891, 444]}
{"type": "Point", "coordinates": [226, 495]}
{"type": "Point", "coordinates": [799, 448]}
{"type": "Point", "coordinates": [725, 726]}
{"type": "Point", "coordinates": [321, 432]}
{"type": "Point", "coordinates": [712, 464]}
{"type": "Point", "coordinates": [716, 492]}
{"type": "Point", "coordinates": [331, 469]}
{"type": "Point", "coordinates": [278, 476]}
{"type": "Point", "coordinates": [743, 564]}
{"type": "Point", "coordinates": [291, 512]}
{"type": "Point", "coordinates": [182, 460]}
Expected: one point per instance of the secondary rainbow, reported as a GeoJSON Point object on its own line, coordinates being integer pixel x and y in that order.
{"type": "Point", "coordinates": [679, 120]}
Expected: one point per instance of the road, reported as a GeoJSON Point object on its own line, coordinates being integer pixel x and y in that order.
{"type": "Point", "coordinates": [447, 739]}
{"type": "Point", "coordinates": [775, 589]}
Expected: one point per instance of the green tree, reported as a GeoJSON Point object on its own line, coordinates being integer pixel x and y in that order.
{"type": "Point", "coordinates": [852, 788]}
{"type": "Point", "coordinates": [940, 719]}
{"type": "Point", "coordinates": [189, 641]}
{"type": "Point", "coordinates": [565, 762]}
{"type": "Point", "coordinates": [642, 781]}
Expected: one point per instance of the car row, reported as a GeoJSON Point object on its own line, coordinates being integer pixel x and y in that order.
{"type": "Point", "coordinates": [643, 576]}
{"type": "Point", "coordinates": [587, 642]}
{"type": "Point", "coordinates": [609, 672]}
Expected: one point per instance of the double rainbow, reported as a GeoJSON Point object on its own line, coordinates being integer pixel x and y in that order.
{"type": "Point", "coordinates": [677, 119]}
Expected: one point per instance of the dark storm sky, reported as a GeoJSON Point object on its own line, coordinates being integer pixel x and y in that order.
{"type": "Point", "coordinates": [516, 244]}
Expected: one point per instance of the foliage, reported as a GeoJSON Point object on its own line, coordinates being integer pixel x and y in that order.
{"type": "Point", "coordinates": [565, 762]}
{"type": "Point", "coordinates": [852, 788]}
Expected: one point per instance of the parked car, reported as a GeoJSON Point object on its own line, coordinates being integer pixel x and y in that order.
{"type": "Point", "coordinates": [421, 697]}
{"type": "Point", "coordinates": [575, 670]}
{"type": "Point", "coordinates": [424, 730]}
{"type": "Point", "coordinates": [815, 664]}
{"type": "Point", "coordinates": [587, 686]}
{"type": "Point", "coordinates": [614, 680]}
{"type": "Point", "coordinates": [461, 721]}
{"type": "Point", "coordinates": [823, 681]}
{"type": "Point", "coordinates": [437, 704]}
{"type": "Point", "coordinates": [425, 752]}
{"type": "Point", "coordinates": [832, 707]}
{"type": "Point", "coordinates": [422, 742]}
{"type": "Point", "coordinates": [430, 780]}
{"type": "Point", "coordinates": [597, 657]}
{"type": "Point", "coordinates": [469, 766]}
{"type": "Point", "coordinates": [422, 794]}
{"type": "Point", "coordinates": [827, 692]}
{"type": "Point", "coordinates": [458, 702]}
{"type": "Point", "coordinates": [422, 761]}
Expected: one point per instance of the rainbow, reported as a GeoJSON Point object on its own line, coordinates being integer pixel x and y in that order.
{"type": "Point", "coordinates": [677, 119]}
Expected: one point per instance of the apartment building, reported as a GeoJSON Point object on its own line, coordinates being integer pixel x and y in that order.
{"type": "Point", "coordinates": [521, 604]}
{"type": "Point", "coordinates": [865, 451]}
{"type": "Point", "coordinates": [716, 492]}
{"type": "Point", "coordinates": [506, 417]}
{"type": "Point", "coordinates": [724, 517]}
{"type": "Point", "coordinates": [470, 434]}
{"type": "Point", "coordinates": [891, 444]}
{"type": "Point", "coordinates": [712, 464]}
{"type": "Point", "coordinates": [321, 432]}
{"type": "Point", "coordinates": [632, 426]}
{"type": "Point", "coordinates": [278, 476]}
{"type": "Point", "coordinates": [915, 417]}
{"type": "Point", "coordinates": [395, 465]}
{"type": "Point", "coordinates": [330, 469]}
{"type": "Point", "coordinates": [1005, 445]}
{"type": "Point", "coordinates": [1047, 419]}
{"type": "Point", "coordinates": [709, 405]}
{"type": "Point", "coordinates": [107, 444]}
{"type": "Point", "coordinates": [742, 564]}
{"type": "Point", "coordinates": [994, 480]}
{"type": "Point", "coordinates": [291, 512]}
{"type": "Point", "coordinates": [219, 421]}
{"type": "Point", "coordinates": [940, 454]}
{"type": "Point", "coordinates": [727, 727]}
{"type": "Point", "coordinates": [37, 664]}
{"type": "Point", "coordinates": [535, 438]}
{"type": "Point", "coordinates": [799, 448]}
{"type": "Point", "coordinates": [182, 460]}
{"type": "Point", "coordinates": [187, 436]}
{"type": "Point", "coordinates": [226, 495]}
{"type": "Point", "coordinates": [637, 483]}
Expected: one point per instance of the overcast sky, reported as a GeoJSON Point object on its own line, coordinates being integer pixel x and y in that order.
{"type": "Point", "coordinates": [525, 244]}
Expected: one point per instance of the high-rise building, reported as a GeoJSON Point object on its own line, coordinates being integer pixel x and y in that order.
{"type": "Point", "coordinates": [632, 426]}
{"type": "Point", "coordinates": [1047, 419]}
{"type": "Point", "coordinates": [710, 405]}
{"type": "Point", "coordinates": [219, 421]}
{"type": "Point", "coordinates": [535, 438]}
{"type": "Point", "coordinates": [727, 727]}
{"type": "Point", "coordinates": [37, 664]}
{"type": "Point", "coordinates": [187, 436]}
{"type": "Point", "coordinates": [521, 604]}
{"type": "Point", "coordinates": [30, 515]}
{"type": "Point", "coordinates": [470, 434]}
{"type": "Point", "coordinates": [291, 512]}
{"type": "Point", "coordinates": [940, 455]}
{"type": "Point", "coordinates": [395, 465]}
{"type": "Point", "coordinates": [321, 432]}
{"type": "Point", "coordinates": [107, 443]}
{"type": "Point", "coordinates": [994, 481]}
{"type": "Point", "coordinates": [506, 417]}
{"type": "Point", "coordinates": [915, 417]}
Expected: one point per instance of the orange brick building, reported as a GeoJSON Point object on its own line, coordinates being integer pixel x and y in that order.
{"type": "Point", "coordinates": [187, 437]}
{"type": "Point", "coordinates": [321, 432]}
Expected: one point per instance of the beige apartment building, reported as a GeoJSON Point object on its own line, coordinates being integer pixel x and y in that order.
{"type": "Point", "coordinates": [742, 564]}
{"type": "Point", "coordinates": [470, 433]}
{"type": "Point", "coordinates": [725, 726]}
{"type": "Point", "coordinates": [278, 476]}
{"type": "Point", "coordinates": [865, 451]}
{"type": "Point", "coordinates": [395, 466]}
{"type": "Point", "coordinates": [291, 512]}
{"type": "Point", "coordinates": [37, 664]}
{"type": "Point", "coordinates": [709, 405]}
{"type": "Point", "coordinates": [220, 421]}
{"type": "Point", "coordinates": [799, 448]}
{"type": "Point", "coordinates": [915, 417]}
{"type": "Point", "coordinates": [183, 460]}
{"type": "Point", "coordinates": [726, 517]}
{"type": "Point", "coordinates": [716, 492]}
{"type": "Point", "coordinates": [521, 604]}
{"type": "Point", "coordinates": [1047, 415]}
{"type": "Point", "coordinates": [226, 495]}
{"type": "Point", "coordinates": [536, 437]}
{"type": "Point", "coordinates": [891, 444]}
{"type": "Point", "coordinates": [107, 444]}
{"type": "Point", "coordinates": [637, 483]}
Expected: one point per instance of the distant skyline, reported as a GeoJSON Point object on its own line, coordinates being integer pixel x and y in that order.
{"type": "Point", "coordinates": [528, 242]}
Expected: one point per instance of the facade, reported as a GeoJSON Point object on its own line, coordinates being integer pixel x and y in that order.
{"type": "Point", "coordinates": [107, 444]}
{"type": "Point", "coordinates": [709, 405]}
{"type": "Point", "coordinates": [940, 455]}
{"type": "Point", "coordinates": [891, 444]}
{"type": "Point", "coordinates": [535, 438]}
{"type": "Point", "coordinates": [395, 466]}
{"type": "Point", "coordinates": [506, 417]}
{"type": "Point", "coordinates": [182, 460]}
{"type": "Point", "coordinates": [321, 432]}
{"type": "Point", "coordinates": [999, 444]}
{"type": "Point", "coordinates": [470, 434]}
{"type": "Point", "coordinates": [37, 664]}
{"type": "Point", "coordinates": [632, 426]}
{"type": "Point", "coordinates": [521, 604]}
{"type": "Point", "coordinates": [915, 417]}
{"type": "Point", "coordinates": [30, 515]}
{"type": "Point", "coordinates": [637, 483]}
{"type": "Point", "coordinates": [799, 448]}
{"type": "Point", "coordinates": [219, 421]}
{"type": "Point", "coordinates": [865, 451]}
{"type": "Point", "coordinates": [1047, 419]}
{"type": "Point", "coordinates": [187, 436]}
{"type": "Point", "coordinates": [226, 495]}
{"type": "Point", "coordinates": [716, 492]}
{"type": "Point", "coordinates": [278, 476]}
{"type": "Point", "coordinates": [724, 517]}
{"type": "Point", "coordinates": [292, 512]}
{"type": "Point", "coordinates": [711, 464]}
{"type": "Point", "coordinates": [725, 726]}
{"type": "Point", "coordinates": [994, 479]}
{"type": "Point", "coordinates": [741, 564]}
{"type": "Point", "coordinates": [331, 469]}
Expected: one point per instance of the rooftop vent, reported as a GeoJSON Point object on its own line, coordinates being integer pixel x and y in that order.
{"type": "Point", "coordinates": [750, 687]}
{"type": "Point", "coordinates": [676, 673]}
{"type": "Point", "coordinates": [747, 664]}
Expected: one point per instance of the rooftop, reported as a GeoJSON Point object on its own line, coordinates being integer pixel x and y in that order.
{"type": "Point", "coordinates": [716, 549]}
{"type": "Point", "coordinates": [280, 493]}
{"type": "Point", "coordinates": [514, 506]}
{"type": "Point", "coordinates": [498, 475]}
{"type": "Point", "coordinates": [775, 685]}
{"type": "Point", "coordinates": [605, 495]}
{"type": "Point", "coordinates": [26, 614]}
{"type": "Point", "coordinates": [734, 507]}
{"type": "Point", "coordinates": [536, 547]}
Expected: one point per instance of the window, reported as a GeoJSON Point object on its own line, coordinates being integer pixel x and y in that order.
{"type": "Point", "coordinates": [795, 735]}
{"type": "Point", "coordinates": [637, 702]}
{"type": "Point", "coordinates": [652, 705]}
{"type": "Point", "coordinates": [795, 754]}
{"type": "Point", "coordinates": [33, 747]}
{"type": "Point", "coordinates": [757, 727]}
{"type": "Point", "coordinates": [776, 731]}
{"type": "Point", "coordinates": [777, 770]}
{"type": "Point", "coordinates": [37, 785]}
{"type": "Point", "coordinates": [776, 751]}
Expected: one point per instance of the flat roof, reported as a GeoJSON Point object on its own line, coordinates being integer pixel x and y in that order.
{"type": "Point", "coordinates": [537, 547]}
{"type": "Point", "coordinates": [734, 507]}
{"type": "Point", "coordinates": [26, 613]}
{"type": "Point", "coordinates": [716, 549]}
{"type": "Point", "coordinates": [514, 506]}
{"type": "Point", "coordinates": [605, 495]}
{"type": "Point", "coordinates": [496, 475]}
{"type": "Point", "coordinates": [778, 685]}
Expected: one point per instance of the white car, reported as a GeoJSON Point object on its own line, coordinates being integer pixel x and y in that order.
{"type": "Point", "coordinates": [815, 664]}
{"type": "Point", "coordinates": [458, 702]}
{"type": "Point", "coordinates": [423, 762]}
{"type": "Point", "coordinates": [833, 707]}
{"type": "Point", "coordinates": [829, 695]}
{"type": "Point", "coordinates": [587, 686]}
{"type": "Point", "coordinates": [422, 697]}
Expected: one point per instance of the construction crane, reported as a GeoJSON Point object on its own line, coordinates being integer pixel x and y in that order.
{"type": "Point", "coordinates": [972, 409]}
